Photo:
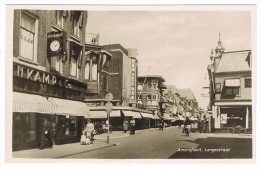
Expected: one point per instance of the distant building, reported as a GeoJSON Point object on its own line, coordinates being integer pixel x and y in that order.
{"type": "Point", "coordinates": [231, 88]}
{"type": "Point", "coordinates": [151, 96]}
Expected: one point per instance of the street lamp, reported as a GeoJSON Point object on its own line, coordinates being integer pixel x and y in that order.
{"type": "Point", "coordinates": [109, 106]}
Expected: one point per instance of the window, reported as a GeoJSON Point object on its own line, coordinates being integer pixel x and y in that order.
{"type": "Point", "coordinates": [56, 63]}
{"type": "Point", "coordinates": [74, 71]}
{"type": "Point", "coordinates": [154, 97]}
{"type": "Point", "coordinates": [103, 82]}
{"type": "Point", "coordinates": [60, 18]}
{"type": "Point", "coordinates": [154, 84]}
{"type": "Point", "coordinates": [91, 69]}
{"type": "Point", "coordinates": [77, 23]}
{"type": "Point", "coordinates": [28, 37]}
{"type": "Point", "coordinates": [248, 82]}
{"type": "Point", "coordinates": [232, 91]}
{"type": "Point", "coordinates": [217, 88]}
{"type": "Point", "coordinates": [140, 87]}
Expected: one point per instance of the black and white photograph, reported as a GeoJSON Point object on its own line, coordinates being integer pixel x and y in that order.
{"type": "Point", "coordinates": [164, 83]}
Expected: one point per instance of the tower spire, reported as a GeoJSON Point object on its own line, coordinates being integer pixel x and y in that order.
{"type": "Point", "coordinates": [219, 49]}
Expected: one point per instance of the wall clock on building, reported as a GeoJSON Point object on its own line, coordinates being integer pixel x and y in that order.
{"type": "Point", "coordinates": [55, 46]}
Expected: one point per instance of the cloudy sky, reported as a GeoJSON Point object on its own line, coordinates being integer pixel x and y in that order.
{"type": "Point", "coordinates": [175, 43]}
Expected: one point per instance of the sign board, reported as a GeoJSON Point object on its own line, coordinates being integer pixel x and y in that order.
{"type": "Point", "coordinates": [109, 97]}
{"type": "Point", "coordinates": [223, 119]}
{"type": "Point", "coordinates": [109, 106]}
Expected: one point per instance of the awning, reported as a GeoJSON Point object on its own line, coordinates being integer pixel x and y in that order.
{"type": "Point", "coordinates": [193, 119]}
{"type": "Point", "coordinates": [102, 114]}
{"type": "Point", "coordinates": [69, 107]}
{"type": "Point", "coordinates": [167, 117]}
{"type": "Point", "coordinates": [157, 117]}
{"type": "Point", "coordinates": [132, 114]}
{"type": "Point", "coordinates": [96, 115]}
{"type": "Point", "coordinates": [23, 102]}
{"type": "Point", "coordinates": [146, 115]}
{"type": "Point", "coordinates": [232, 82]}
{"type": "Point", "coordinates": [181, 117]}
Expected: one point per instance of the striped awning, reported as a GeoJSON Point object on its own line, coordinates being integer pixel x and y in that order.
{"type": "Point", "coordinates": [23, 102]}
{"type": "Point", "coordinates": [167, 117]}
{"type": "Point", "coordinates": [147, 115]}
{"type": "Point", "coordinates": [132, 114]}
{"type": "Point", "coordinates": [181, 117]}
{"type": "Point", "coordinates": [157, 117]}
{"type": "Point", "coordinates": [102, 114]}
{"type": "Point", "coordinates": [69, 107]}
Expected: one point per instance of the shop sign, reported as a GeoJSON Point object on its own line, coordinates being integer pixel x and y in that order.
{"type": "Point", "coordinates": [39, 76]}
{"type": "Point", "coordinates": [56, 43]}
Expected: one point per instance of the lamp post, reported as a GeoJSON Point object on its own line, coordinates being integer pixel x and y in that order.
{"type": "Point", "coordinates": [109, 106]}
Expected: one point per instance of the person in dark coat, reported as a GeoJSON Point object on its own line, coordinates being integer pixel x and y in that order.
{"type": "Point", "coordinates": [132, 126]}
{"type": "Point", "coordinates": [46, 141]}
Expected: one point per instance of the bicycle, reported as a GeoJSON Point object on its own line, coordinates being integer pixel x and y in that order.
{"type": "Point", "coordinates": [239, 129]}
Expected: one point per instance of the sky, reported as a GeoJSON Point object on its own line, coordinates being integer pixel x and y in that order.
{"type": "Point", "coordinates": [175, 44]}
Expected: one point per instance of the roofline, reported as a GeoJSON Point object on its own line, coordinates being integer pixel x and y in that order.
{"type": "Point", "coordinates": [152, 76]}
{"type": "Point", "coordinates": [237, 51]}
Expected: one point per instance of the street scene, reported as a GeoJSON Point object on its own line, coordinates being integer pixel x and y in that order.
{"type": "Point", "coordinates": [170, 143]}
{"type": "Point", "coordinates": [131, 84]}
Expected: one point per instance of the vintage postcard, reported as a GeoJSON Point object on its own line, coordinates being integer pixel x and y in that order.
{"type": "Point", "coordinates": [121, 83]}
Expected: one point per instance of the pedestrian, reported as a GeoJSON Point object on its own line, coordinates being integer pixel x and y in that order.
{"type": "Point", "coordinates": [187, 125]}
{"type": "Point", "coordinates": [132, 126]}
{"type": "Point", "coordinates": [89, 130]}
{"type": "Point", "coordinates": [200, 125]}
{"type": "Point", "coordinates": [53, 131]}
{"type": "Point", "coordinates": [161, 124]}
{"type": "Point", "coordinates": [205, 123]}
{"type": "Point", "coordinates": [125, 126]}
{"type": "Point", "coordinates": [179, 124]}
{"type": "Point", "coordinates": [46, 141]}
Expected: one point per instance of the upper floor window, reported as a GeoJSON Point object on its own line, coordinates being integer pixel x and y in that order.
{"type": "Point", "coordinates": [77, 23]}
{"type": "Point", "coordinates": [91, 68]}
{"type": "Point", "coordinates": [248, 82]}
{"type": "Point", "coordinates": [74, 70]}
{"type": "Point", "coordinates": [140, 87]}
{"type": "Point", "coordinates": [56, 63]}
{"type": "Point", "coordinates": [60, 18]}
{"type": "Point", "coordinates": [154, 84]}
{"type": "Point", "coordinates": [232, 86]}
{"type": "Point", "coordinates": [28, 37]}
{"type": "Point", "coordinates": [103, 82]}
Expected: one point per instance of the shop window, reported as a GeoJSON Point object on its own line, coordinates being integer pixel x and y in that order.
{"type": "Point", "coordinates": [66, 126]}
{"type": "Point", "coordinates": [28, 37]}
{"type": "Point", "coordinates": [248, 82]}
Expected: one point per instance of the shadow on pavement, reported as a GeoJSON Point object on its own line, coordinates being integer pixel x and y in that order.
{"type": "Point", "coordinates": [217, 148]}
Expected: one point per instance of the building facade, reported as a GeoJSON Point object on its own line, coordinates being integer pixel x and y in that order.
{"type": "Point", "coordinates": [48, 75]}
{"type": "Point", "coordinates": [231, 88]}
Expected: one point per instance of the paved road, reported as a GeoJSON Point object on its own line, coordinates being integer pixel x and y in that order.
{"type": "Point", "coordinates": [173, 144]}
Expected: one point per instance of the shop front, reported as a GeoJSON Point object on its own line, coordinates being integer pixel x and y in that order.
{"type": "Point", "coordinates": [37, 95]}
{"type": "Point", "coordinates": [232, 116]}
{"type": "Point", "coordinates": [28, 112]}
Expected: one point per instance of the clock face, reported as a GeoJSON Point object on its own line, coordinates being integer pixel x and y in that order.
{"type": "Point", "coordinates": [55, 45]}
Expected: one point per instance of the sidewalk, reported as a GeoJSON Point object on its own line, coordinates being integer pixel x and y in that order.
{"type": "Point", "coordinates": [60, 151]}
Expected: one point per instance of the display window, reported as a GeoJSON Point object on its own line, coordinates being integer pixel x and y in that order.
{"type": "Point", "coordinates": [231, 117]}
{"type": "Point", "coordinates": [67, 126]}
